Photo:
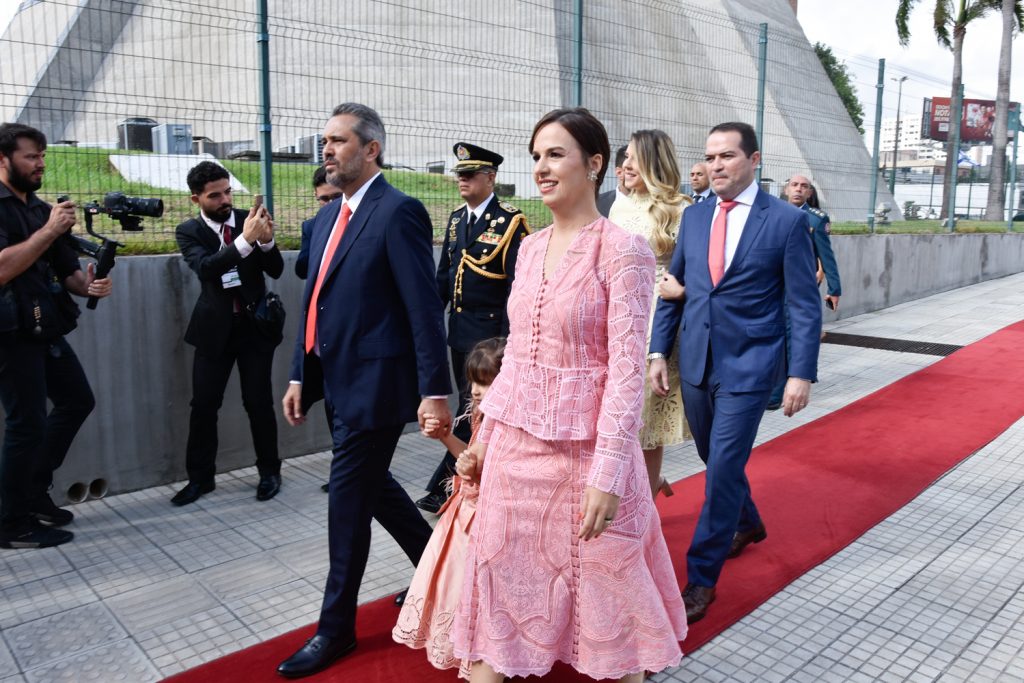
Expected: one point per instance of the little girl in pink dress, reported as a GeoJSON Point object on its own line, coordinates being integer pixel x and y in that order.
{"type": "Point", "coordinates": [429, 609]}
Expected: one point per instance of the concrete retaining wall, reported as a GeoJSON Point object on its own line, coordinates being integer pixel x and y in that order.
{"type": "Point", "coordinates": [140, 368]}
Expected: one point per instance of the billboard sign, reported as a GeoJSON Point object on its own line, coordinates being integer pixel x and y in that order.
{"type": "Point", "coordinates": [976, 119]}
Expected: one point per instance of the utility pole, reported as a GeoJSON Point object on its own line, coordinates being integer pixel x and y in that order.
{"type": "Point", "coordinates": [896, 140]}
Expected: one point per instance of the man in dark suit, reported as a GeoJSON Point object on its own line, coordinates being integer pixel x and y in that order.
{"type": "Point", "coordinates": [745, 261]}
{"type": "Point", "coordinates": [230, 252]}
{"type": "Point", "coordinates": [700, 183]}
{"type": "Point", "coordinates": [606, 199]}
{"type": "Point", "coordinates": [325, 193]}
{"type": "Point", "coordinates": [372, 343]}
{"type": "Point", "coordinates": [474, 278]}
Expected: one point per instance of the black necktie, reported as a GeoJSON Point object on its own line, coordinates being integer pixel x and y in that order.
{"type": "Point", "coordinates": [697, 198]}
{"type": "Point", "coordinates": [472, 224]}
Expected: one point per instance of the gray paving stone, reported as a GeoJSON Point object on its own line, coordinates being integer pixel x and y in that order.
{"type": "Point", "coordinates": [189, 641]}
{"type": "Point", "coordinates": [25, 602]}
{"type": "Point", "coordinates": [51, 638]}
{"type": "Point", "coordinates": [246, 576]}
{"type": "Point", "coordinates": [145, 608]}
{"type": "Point", "coordinates": [118, 662]}
{"type": "Point", "coordinates": [8, 667]}
{"type": "Point", "coordinates": [278, 610]}
{"type": "Point", "coordinates": [200, 552]}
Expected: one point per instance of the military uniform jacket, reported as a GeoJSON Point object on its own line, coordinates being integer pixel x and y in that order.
{"type": "Point", "coordinates": [474, 276]}
{"type": "Point", "coordinates": [821, 228]}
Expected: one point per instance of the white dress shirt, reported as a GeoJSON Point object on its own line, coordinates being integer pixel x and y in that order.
{"type": "Point", "coordinates": [353, 205]}
{"type": "Point", "coordinates": [736, 219]}
{"type": "Point", "coordinates": [478, 209]}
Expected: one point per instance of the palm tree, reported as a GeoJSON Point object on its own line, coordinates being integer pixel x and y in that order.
{"type": "Point", "coordinates": [951, 18]}
{"type": "Point", "coordinates": [1013, 19]}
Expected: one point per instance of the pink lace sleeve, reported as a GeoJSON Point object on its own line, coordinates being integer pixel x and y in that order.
{"type": "Point", "coordinates": [630, 286]}
{"type": "Point", "coordinates": [483, 432]}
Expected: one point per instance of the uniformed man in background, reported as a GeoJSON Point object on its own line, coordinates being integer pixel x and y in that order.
{"type": "Point", "coordinates": [800, 192]}
{"type": "Point", "coordinates": [474, 278]}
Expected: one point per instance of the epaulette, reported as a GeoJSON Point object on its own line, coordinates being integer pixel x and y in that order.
{"type": "Point", "coordinates": [508, 207]}
{"type": "Point", "coordinates": [817, 212]}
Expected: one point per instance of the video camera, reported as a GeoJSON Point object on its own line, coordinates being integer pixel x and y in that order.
{"type": "Point", "coordinates": [127, 211]}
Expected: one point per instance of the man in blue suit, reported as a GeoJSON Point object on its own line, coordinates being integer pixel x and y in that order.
{"type": "Point", "coordinates": [744, 260]}
{"type": "Point", "coordinates": [372, 342]}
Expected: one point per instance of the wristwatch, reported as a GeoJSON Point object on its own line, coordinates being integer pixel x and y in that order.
{"type": "Point", "coordinates": [655, 356]}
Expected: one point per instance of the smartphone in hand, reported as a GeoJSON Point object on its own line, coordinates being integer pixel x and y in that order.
{"type": "Point", "coordinates": [257, 202]}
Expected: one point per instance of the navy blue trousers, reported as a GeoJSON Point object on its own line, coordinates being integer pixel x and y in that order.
{"type": "Point", "coordinates": [724, 425]}
{"type": "Point", "coordinates": [361, 488]}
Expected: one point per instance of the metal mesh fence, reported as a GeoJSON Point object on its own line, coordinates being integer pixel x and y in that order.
{"type": "Point", "coordinates": [130, 92]}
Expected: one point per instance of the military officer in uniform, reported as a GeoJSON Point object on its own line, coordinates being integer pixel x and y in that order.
{"type": "Point", "coordinates": [801, 193]}
{"type": "Point", "coordinates": [474, 278]}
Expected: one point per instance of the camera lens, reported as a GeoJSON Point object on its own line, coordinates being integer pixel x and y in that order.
{"type": "Point", "coordinates": [145, 207]}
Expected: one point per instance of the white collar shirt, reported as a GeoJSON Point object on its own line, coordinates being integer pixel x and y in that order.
{"type": "Point", "coordinates": [478, 209]}
{"type": "Point", "coordinates": [736, 220]}
{"type": "Point", "coordinates": [243, 247]}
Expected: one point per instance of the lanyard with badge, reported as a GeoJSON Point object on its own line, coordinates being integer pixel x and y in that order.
{"type": "Point", "coordinates": [231, 278]}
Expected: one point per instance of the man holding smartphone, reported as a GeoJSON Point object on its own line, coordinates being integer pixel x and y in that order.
{"type": "Point", "coordinates": [230, 252]}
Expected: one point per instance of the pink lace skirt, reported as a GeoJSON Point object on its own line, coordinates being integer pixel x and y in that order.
{"type": "Point", "coordinates": [533, 594]}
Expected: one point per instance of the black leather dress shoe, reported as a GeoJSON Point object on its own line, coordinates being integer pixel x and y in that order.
{"type": "Point", "coordinates": [741, 539]}
{"type": "Point", "coordinates": [317, 654]}
{"type": "Point", "coordinates": [400, 598]}
{"type": "Point", "coordinates": [191, 492]}
{"type": "Point", "coordinates": [268, 487]}
{"type": "Point", "coordinates": [697, 598]}
{"type": "Point", "coordinates": [431, 502]}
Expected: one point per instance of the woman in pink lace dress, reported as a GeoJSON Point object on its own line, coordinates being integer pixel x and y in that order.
{"type": "Point", "coordinates": [566, 559]}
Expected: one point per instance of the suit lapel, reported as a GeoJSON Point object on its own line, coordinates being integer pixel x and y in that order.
{"type": "Point", "coordinates": [755, 222]}
{"type": "Point", "coordinates": [705, 212]}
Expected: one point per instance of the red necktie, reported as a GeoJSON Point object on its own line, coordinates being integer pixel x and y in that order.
{"type": "Point", "coordinates": [716, 248]}
{"type": "Point", "coordinates": [225, 232]}
{"type": "Point", "coordinates": [332, 246]}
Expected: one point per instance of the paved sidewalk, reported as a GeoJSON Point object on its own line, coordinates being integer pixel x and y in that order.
{"type": "Point", "coordinates": [932, 593]}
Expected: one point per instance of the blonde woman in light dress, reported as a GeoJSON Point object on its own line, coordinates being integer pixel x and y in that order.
{"type": "Point", "coordinates": [653, 209]}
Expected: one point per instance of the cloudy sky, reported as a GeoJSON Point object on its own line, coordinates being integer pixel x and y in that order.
{"type": "Point", "coordinates": [862, 31]}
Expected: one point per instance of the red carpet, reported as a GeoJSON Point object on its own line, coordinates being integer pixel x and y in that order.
{"type": "Point", "coordinates": [818, 487]}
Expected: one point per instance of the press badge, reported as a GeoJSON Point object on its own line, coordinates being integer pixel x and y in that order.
{"type": "Point", "coordinates": [230, 279]}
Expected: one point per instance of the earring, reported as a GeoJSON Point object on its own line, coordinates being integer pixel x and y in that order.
{"type": "Point", "coordinates": [592, 176]}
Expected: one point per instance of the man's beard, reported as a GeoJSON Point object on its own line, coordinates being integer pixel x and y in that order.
{"type": "Point", "coordinates": [21, 182]}
{"type": "Point", "coordinates": [221, 215]}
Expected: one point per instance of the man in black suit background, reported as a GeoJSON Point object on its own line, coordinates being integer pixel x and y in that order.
{"type": "Point", "coordinates": [700, 183]}
{"type": "Point", "coordinates": [606, 199]}
{"type": "Point", "coordinates": [229, 252]}
{"type": "Point", "coordinates": [325, 193]}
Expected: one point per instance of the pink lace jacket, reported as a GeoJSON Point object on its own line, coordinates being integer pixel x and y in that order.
{"type": "Point", "coordinates": [574, 366]}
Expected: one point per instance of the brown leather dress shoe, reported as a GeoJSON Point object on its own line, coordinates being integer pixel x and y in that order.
{"type": "Point", "coordinates": [697, 598]}
{"type": "Point", "coordinates": [741, 539]}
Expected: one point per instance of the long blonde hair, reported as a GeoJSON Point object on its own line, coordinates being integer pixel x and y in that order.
{"type": "Point", "coordinates": [658, 168]}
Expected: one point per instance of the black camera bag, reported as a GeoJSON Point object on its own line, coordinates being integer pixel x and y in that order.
{"type": "Point", "coordinates": [268, 315]}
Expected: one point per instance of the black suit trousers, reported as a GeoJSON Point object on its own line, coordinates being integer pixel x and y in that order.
{"type": "Point", "coordinates": [210, 373]}
{"type": "Point", "coordinates": [361, 488]}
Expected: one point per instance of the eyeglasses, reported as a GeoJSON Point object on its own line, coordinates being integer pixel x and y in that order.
{"type": "Point", "coordinates": [328, 198]}
{"type": "Point", "coordinates": [465, 175]}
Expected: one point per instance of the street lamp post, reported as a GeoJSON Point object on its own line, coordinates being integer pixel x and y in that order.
{"type": "Point", "coordinates": [896, 140]}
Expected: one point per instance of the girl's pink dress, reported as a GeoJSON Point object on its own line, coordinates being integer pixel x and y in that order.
{"type": "Point", "coordinates": [564, 414]}
{"type": "Point", "coordinates": [428, 612]}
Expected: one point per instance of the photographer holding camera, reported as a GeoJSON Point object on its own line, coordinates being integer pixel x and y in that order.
{"type": "Point", "coordinates": [38, 269]}
{"type": "Point", "coordinates": [230, 252]}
